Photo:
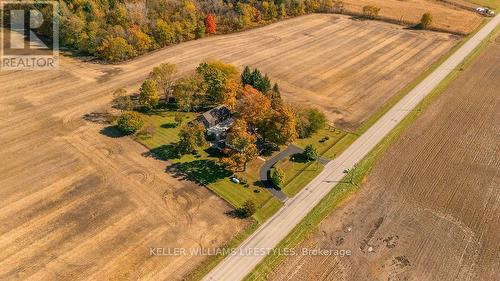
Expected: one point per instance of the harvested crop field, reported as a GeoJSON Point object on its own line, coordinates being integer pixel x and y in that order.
{"type": "Point", "coordinates": [77, 202]}
{"type": "Point", "coordinates": [430, 209]}
{"type": "Point", "coordinates": [449, 17]}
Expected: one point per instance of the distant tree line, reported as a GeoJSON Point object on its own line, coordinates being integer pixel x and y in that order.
{"type": "Point", "coordinates": [117, 30]}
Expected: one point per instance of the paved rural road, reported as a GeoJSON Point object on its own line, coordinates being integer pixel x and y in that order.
{"type": "Point", "coordinates": [237, 266]}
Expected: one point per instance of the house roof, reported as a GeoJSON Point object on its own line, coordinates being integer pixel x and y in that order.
{"type": "Point", "coordinates": [215, 116]}
{"type": "Point", "coordinates": [221, 127]}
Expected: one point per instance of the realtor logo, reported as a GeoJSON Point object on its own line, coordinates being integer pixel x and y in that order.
{"type": "Point", "coordinates": [29, 35]}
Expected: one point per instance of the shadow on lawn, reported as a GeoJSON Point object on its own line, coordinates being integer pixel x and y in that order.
{"type": "Point", "coordinates": [201, 171]}
{"type": "Point", "coordinates": [299, 158]}
{"type": "Point", "coordinates": [239, 213]}
{"type": "Point", "coordinates": [112, 132]}
{"type": "Point", "coordinates": [169, 125]}
{"type": "Point", "coordinates": [164, 152]}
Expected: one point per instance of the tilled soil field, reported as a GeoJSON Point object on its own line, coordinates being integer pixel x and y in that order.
{"type": "Point", "coordinates": [430, 209]}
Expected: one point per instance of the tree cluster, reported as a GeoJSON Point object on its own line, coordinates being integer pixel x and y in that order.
{"type": "Point", "coordinates": [259, 115]}
{"type": "Point", "coordinates": [117, 30]}
{"type": "Point", "coordinates": [309, 120]}
{"type": "Point", "coordinates": [263, 84]}
{"type": "Point", "coordinates": [274, 126]}
{"type": "Point", "coordinates": [213, 83]}
{"type": "Point", "coordinates": [243, 147]}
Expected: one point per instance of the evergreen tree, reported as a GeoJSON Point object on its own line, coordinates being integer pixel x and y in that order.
{"type": "Point", "coordinates": [255, 78]}
{"type": "Point", "coordinates": [265, 84]}
{"type": "Point", "coordinates": [246, 76]}
{"type": "Point", "coordinates": [276, 90]}
{"type": "Point", "coordinates": [310, 152]}
{"type": "Point", "coordinates": [276, 101]}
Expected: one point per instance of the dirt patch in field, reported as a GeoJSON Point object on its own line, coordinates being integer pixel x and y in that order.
{"type": "Point", "coordinates": [430, 210]}
{"type": "Point", "coordinates": [446, 17]}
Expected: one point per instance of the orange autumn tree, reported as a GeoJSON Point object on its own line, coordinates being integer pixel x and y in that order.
{"type": "Point", "coordinates": [210, 24]}
{"type": "Point", "coordinates": [243, 147]}
{"type": "Point", "coordinates": [253, 106]}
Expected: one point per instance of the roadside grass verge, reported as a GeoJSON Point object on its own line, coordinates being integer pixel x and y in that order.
{"type": "Point", "coordinates": [495, 4]}
{"type": "Point", "coordinates": [355, 177]}
{"type": "Point", "coordinates": [325, 141]}
{"type": "Point", "coordinates": [212, 261]}
{"type": "Point", "coordinates": [298, 174]}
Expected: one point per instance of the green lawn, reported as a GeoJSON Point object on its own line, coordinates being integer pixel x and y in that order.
{"type": "Point", "coordinates": [203, 167]}
{"type": "Point", "coordinates": [166, 129]}
{"type": "Point", "coordinates": [328, 141]}
{"type": "Point", "coordinates": [298, 174]}
{"type": "Point", "coordinates": [271, 206]}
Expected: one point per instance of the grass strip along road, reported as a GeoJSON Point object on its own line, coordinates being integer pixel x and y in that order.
{"type": "Point", "coordinates": [238, 265]}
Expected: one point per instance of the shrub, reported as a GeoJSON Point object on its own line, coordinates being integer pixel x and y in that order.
{"type": "Point", "coordinates": [310, 152]}
{"type": "Point", "coordinates": [121, 100]}
{"type": "Point", "coordinates": [248, 209]}
{"type": "Point", "coordinates": [130, 122]}
{"type": "Point", "coordinates": [277, 177]}
{"type": "Point", "coordinates": [370, 12]}
{"type": "Point", "coordinates": [425, 21]}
